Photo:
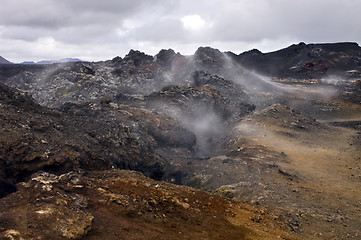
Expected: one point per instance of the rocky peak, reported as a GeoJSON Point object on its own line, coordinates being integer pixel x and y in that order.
{"type": "Point", "coordinates": [138, 58]}
{"type": "Point", "coordinates": [255, 52]}
{"type": "Point", "coordinates": [117, 59]}
{"type": "Point", "coordinates": [170, 60]}
{"type": "Point", "coordinates": [165, 57]}
{"type": "Point", "coordinates": [208, 57]}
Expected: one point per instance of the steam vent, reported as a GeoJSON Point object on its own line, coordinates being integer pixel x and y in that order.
{"type": "Point", "coordinates": [214, 145]}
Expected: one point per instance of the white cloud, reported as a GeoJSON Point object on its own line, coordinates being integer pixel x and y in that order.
{"type": "Point", "coordinates": [193, 22]}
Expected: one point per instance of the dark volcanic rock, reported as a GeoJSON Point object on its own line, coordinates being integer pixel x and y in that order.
{"type": "Point", "coordinates": [304, 60]}
{"type": "Point", "coordinates": [138, 58]}
{"type": "Point", "coordinates": [138, 74]}
{"type": "Point", "coordinates": [252, 57]}
{"type": "Point", "coordinates": [209, 59]}
{"type": "Point", "coordinates": [186, 120]}
{"type": "Point", "coordinates": [166, 57]}
{"type": "Point", "coordinates": [190, 100]}
{"type": "Point", "coordinates": [227, 89]}
{"type": "Point", "coordinates": [78, 137]}
{"type": "Point", "coordinates": [200, 109]}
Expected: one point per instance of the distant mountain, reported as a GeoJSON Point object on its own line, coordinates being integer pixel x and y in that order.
{"type": "Point", "coordinates": [60, 61]}
{"type": "Point", "coordinates": [304, 60]}
{"type": "Point", "coordinates": [28, 62]}
{"type": "Point", "coordinates": [54, 61]}
{"type": "Point", "coordinates": [4, 61]}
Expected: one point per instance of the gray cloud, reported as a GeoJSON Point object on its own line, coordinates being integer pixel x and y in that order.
{"type": "Point", "coordinates": [160, 30]}
{"type": "Point", "coordinates": [56, 14]}
{"type": "Point", "coordinates": [95, 30]}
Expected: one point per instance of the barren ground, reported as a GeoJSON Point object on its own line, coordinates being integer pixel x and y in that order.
{"type": "Point", "coordinates": [324, 163]}
{"type": "Point", "coordinates": [270, 143]}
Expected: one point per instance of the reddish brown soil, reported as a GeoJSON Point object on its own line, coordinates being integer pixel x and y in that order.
{"type": "Point", "coordinates": [126, 205]}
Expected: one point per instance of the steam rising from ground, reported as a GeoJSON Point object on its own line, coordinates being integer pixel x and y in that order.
{"type": "Point", "coordinates": [257, 83]}
{"type": "Point", "coordinates": [332, 80]}
{"type": "Point", "coordinates": [203, 121]}
{"type": "Point", "coordinates": [206, 125]}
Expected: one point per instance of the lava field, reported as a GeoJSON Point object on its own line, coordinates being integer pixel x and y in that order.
{"type": "Point", "coordinates": [209, 146]}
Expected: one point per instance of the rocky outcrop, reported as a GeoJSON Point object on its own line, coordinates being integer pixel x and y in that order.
{"type": "Point", "coordinates": [236, 93]}
{"type": "Point", "coordinates": [87, 137]}
{"type": "Point", "coordinates": [208, 58]}
{"type": "Point", "coordinates": [125, 205]}
{"type": "Point", "coordinates": [166, 57]}
{"type": "Point", "coordinates": [43, 208]}
{"type": "Point", "coordinates": [138, 58]}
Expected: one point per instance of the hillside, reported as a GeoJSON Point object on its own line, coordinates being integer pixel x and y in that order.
{"type": "Point", "coordinates": [305, 60]}
{"type": "Point", "coordinates": [209, 146]}
{"type": "Point", "coordinates": [4, 61]}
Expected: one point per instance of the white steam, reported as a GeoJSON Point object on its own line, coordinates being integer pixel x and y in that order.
{"type": "Point", "coordinates": [332, 80]}
{"type": "Point", "coordinates": [260, 86]}
{"type": "Point", "coordinates": [205, 124]}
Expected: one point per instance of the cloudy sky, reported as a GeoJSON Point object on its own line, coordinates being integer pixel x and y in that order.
{"type": "Point", "coordinates": [99, 30]}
